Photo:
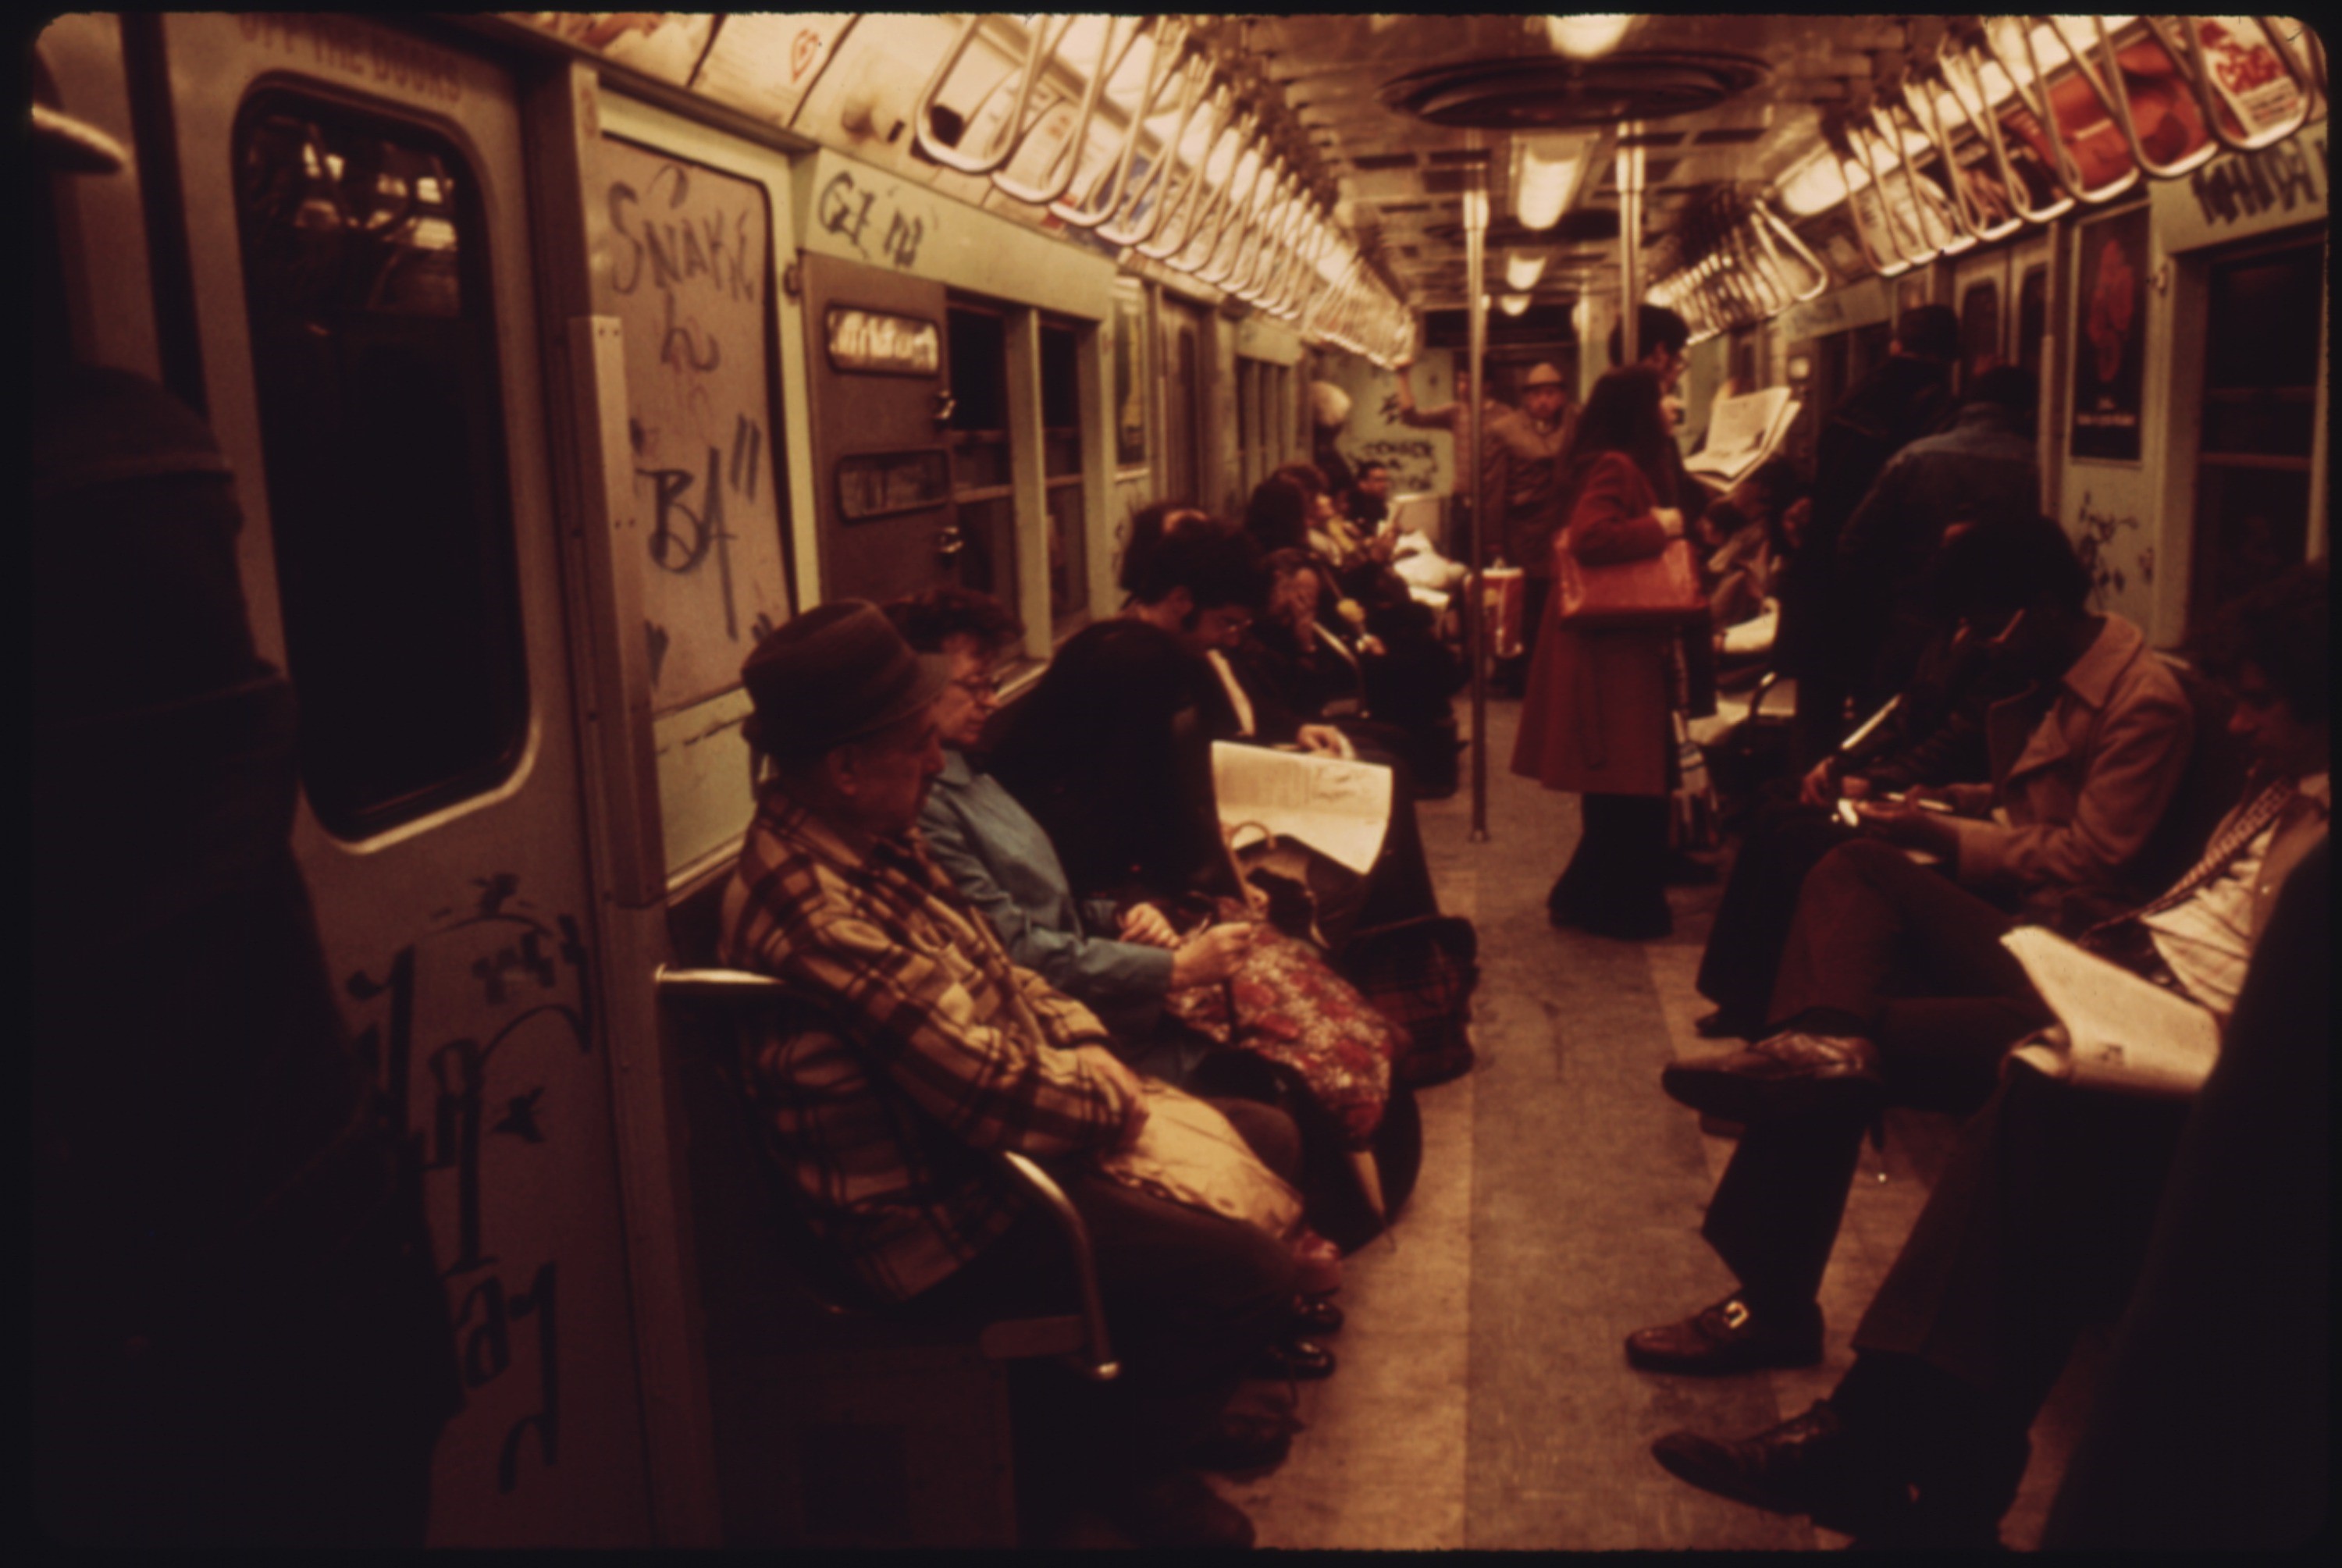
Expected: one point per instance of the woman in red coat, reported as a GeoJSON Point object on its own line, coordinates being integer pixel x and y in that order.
{"type": "Point", "coordinates": [1595, 720]}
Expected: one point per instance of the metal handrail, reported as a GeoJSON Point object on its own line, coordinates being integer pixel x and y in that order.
{"type": "Point", "coordinates": [1059, 175]}
{"type": "Point", "coordinates": [1006, 1339]}
{"type": "Point", "coordinates": [2063, 168]}
{"type": "Point", "coordinates": [1842, 146]}
{"type": "Point", "coordinates": [1167, 47]}
{"type": "Point", "coordinates": [2108, 69]}
{"type": "Point", "coordinates": [1255, 256]}
{"type": "Point", "coordinates": [1959, 53]}
{"type": "Point", "coordinates": [1769, 220]}
{"type": "Point", "coordinates": [1231, 214]}
{"type": "Point", "coordinates": [1117, 229]}
{"type": "Point", "coordinates": [1925, 81]}
{"type": "Point", "coordinates": [1011, 127]}
{"type": "Point", "coordinates": [2199, 79]}
{"type": "Point", "coordinates": [1959, 235]}
{"type": "Point", "coordinates": [1221, 104]}
{"type": "Point", "coordinates": [1922, 249]}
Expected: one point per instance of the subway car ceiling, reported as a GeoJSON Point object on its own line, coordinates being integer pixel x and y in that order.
{"type": "Point", "coordinates": [1320, 180]}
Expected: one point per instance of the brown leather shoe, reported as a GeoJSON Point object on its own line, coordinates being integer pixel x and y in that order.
{"type": "Point", "coordinates": [1811, 1464]}
{"type": "Point", "coordinates": [1727, 1338]}
{"type": "Point", "coordinates": [1792, 1074]}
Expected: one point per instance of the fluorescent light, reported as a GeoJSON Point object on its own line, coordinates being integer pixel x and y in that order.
{"type": "Point", "coordinates": [1514, 303]}
{"type": "Point", "coordinates": [1522, 269]}
{"type": "Point", "coordinates": [1583, 38]}
{"type": "Point", "coordinates": [1541, 187]}
{"type": "Point", "coordinates": [1816, 185]}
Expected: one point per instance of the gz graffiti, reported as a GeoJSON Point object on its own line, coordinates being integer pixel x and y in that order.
{"type": "Point", "coordinates": [523, 995]}
{"type": "Point", "coordinates": [845, 210]}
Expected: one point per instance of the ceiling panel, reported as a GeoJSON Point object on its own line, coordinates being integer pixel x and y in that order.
{"type": "Point", "coordinates": [1401, 172]}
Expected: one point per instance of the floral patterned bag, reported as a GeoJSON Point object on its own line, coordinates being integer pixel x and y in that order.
{"type": "Point", "coordinates": [1286, 1004]}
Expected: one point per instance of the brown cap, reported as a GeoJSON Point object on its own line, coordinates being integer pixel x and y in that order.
{"type": "Point", "coordinates": [836, 674]}
{"type": "Point", "coordinates": [1543, 375]}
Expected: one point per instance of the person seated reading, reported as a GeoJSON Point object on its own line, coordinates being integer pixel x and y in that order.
{"type": "Point", "coordinates": [1894, 984]}
{"type": "Point", "coordinates": [2040, 1222]}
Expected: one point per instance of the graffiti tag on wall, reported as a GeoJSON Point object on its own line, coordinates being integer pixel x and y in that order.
{"type": "Point", "coordinates": [473, 1114]}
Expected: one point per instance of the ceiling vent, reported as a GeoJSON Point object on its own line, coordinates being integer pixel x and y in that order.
{"type": "Point", "coordinates": [1549, 93]}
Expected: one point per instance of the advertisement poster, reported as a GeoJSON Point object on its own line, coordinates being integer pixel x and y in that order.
{"type": "Point", "coordinates": [2109, 358]}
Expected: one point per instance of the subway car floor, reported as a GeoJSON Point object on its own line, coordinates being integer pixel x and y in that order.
{"type": "Point", "coordinates": [1483, 1398]}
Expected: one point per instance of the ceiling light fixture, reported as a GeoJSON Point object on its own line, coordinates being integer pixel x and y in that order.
{"type": "Point", "coordinates": [1522, 269]}
{"type": "Point", "coordinates": [1585, 37]}
{"type": "Point", "coordinates": [1514, 303]}
{"type": "Point", "coordinates": [1542, 177]}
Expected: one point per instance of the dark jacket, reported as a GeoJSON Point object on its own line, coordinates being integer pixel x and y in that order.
{"type": "Point", "coordinates": [1109, 753]}
{"type": "Point", "coordinates": [1984, 464]}
{"type": "Point", "coordinates": [1895, 405]}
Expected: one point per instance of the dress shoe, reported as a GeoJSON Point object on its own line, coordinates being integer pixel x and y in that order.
{"type": "Point", "coordinates": [1179, 1510]}
{"type": "Point", "coordinates": [1791, 1074]}
{"type": "Point", "coordinates": [1301, 1360]}
{"type": "Point", "coordinates": [1727, 1338]}
{"type": "Point", "coordinates": [1811, 1466]}
{"type": "Point", "coordinates": [1317, 1315]}
{"type": "Point", "coordinates": [1724, 1023]}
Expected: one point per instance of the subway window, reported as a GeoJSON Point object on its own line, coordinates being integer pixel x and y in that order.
{"type": "Point", "coordinates": [1062, 430]}
{"type": "Point", "coordinates": [2260, 400]}
{"type": "Point", "coordinates": [2032, 316]}
{"type": "Point", "coordinates": [374, 369]}
{"type": "Point", "coordinates": [1979, 329]}
{"type": "Point", "coordinates": [984, 496]}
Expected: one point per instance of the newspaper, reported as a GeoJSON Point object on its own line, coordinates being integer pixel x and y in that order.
{"type": "Point", "coordinates": [2121, 1032]}
{"type": "Point", "coordinates": [1743, 431]}
{"type": "Point", "coordinates": [1340, 809]}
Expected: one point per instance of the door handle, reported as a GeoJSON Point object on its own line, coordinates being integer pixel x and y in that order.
{"type": "Point", "coordinates": [949, 540]}
{"type": "Point", "coordinates": [945, 405]}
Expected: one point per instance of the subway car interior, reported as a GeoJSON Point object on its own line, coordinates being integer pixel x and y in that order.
{"type": "Point", "coordinates": [1369, 782]}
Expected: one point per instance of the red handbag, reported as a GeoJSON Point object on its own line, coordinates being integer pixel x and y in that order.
{"type": "Point", "coordinates": [1657, 591]}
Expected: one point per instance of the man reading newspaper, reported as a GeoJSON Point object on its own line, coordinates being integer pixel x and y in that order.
{"type": "Point", "coordinates": [1806, 1094]}
{"type": "Point", "coordinates": [2040, 1220]}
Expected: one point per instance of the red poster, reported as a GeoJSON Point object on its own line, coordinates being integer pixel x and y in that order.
{"type": "Point", "coordinates": [2110, 357]}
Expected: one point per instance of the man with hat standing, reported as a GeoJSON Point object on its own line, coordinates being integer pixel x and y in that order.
{"type": "Point", "coordinates": [944, 1049]}
{"type": "Point", "coordinates": [1520, 484]}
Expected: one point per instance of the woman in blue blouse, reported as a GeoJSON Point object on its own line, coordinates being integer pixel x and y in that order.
{"type": "Point", "coordinates": [1120, 962]}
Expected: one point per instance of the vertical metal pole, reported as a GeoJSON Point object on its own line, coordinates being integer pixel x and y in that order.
{"type": "Point", "coordinates": [1475, 233]}
{"type": "Point", "coordinates": [1630, 245]}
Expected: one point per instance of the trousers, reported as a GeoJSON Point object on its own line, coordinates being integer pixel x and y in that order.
{"type": "Point", "coordinates": [1192, 1299]}
{"type": "Point", "coordinates": [1915, 959]}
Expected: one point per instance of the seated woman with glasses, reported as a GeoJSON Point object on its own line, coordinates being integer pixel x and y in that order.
{"type": "Point", "coordinates": [1176, 988]}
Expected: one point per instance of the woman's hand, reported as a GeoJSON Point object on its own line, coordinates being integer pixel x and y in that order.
{"type": "Point", "coordinates": [1671, 519]}
{"type": "Point", "coordinates": [1323, 739]}
{"type": "Point", "coordinates": [1143, 922]}
{"type": "Point", "coordinates": [1819, 786]}
{"type": "Point", "coordinates": [1211, 955]}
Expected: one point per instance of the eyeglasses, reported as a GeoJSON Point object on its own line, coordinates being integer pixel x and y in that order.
{"type": "Point", "coordinates": [979, 686]}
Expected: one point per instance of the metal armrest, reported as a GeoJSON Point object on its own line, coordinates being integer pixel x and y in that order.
{"type": "Point", "coordinates": [1005, 1340]}
{"type": "Point", "coordinates": [1081, 1335]}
